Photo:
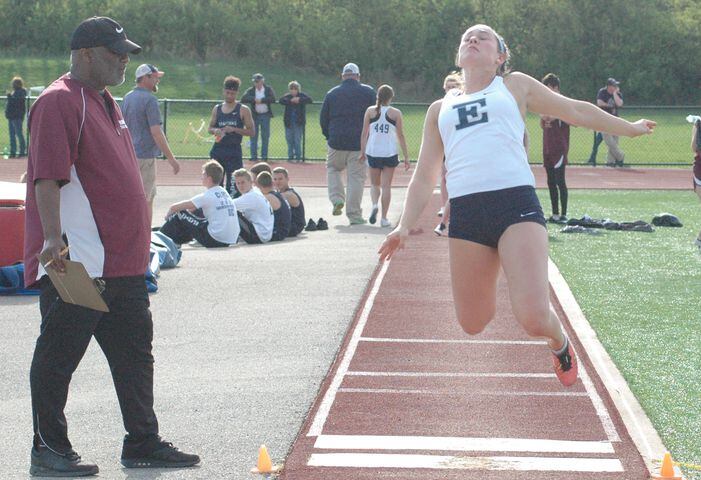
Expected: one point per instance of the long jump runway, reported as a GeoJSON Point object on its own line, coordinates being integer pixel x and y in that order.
{"type": "Point", "coordinates": [411, 396]}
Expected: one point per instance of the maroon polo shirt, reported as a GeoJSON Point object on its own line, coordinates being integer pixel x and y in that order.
{"type": "Point", "coordinates": [79, 138]}
{"type": "Point", "coordinates": [556, 143]}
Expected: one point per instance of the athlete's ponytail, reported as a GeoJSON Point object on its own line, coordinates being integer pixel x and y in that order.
{"type": "Point", "coordinates": [384, 96]}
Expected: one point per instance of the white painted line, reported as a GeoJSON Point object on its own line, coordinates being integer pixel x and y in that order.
{"type": "Point", "coordinates": [601, 410]}
{"type": "Point", "coordinates": [451, 374]}
{"type": "Point", "coordinates": [325, 407]}
{"type": "Point", "coordinates": [465, 341]}
{"type": "Point", "coordinates": [460, 444]}
{"type": "Point", "coordinates": [498, 393]}
{"type": "Point", "coordinates": [542, 464]}
{"type": "Point", "coordinates": [644, 435]}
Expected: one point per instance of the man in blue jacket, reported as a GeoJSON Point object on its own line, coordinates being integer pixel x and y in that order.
{"type": "Point", "coordinates": [341, 121]}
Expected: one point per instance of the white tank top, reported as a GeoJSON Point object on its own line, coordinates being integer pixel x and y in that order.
{"type": "Point", "coordinates": [482, 135]}
{"type": "Point", "coordinates": [382, 139]}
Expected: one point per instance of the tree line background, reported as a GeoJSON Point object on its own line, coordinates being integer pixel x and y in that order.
{"type": "Point", "coordinates": [651, 46]}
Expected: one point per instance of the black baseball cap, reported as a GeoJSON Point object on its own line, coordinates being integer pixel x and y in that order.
{"type": "Point", "coordinates": [102, 32]}
{"type": "Point", "coordinates": [612, 81]}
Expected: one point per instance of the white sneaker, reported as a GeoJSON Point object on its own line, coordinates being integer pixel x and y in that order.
{"type": "Point", "coordinates": [441, 212]}
{"type": "Point", "coordinates": [385, 223]}
{"type": "Point", "coordinates": [439, 229]}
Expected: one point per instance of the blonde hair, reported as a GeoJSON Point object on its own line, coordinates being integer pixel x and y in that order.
{"type": "Point", "coordinates": [453, 77]}
{"type": "Point", "coordinates": [242, 172]}
{"type": "Point", "coordinates": [214, 171]}
{"type": "Point", "coordinates": [294, 84]}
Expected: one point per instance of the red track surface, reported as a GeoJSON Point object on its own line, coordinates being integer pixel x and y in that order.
{"type": "Point", "coordinates": [467, 395]}
{"type": "Point", "coordinates": [314, 175]}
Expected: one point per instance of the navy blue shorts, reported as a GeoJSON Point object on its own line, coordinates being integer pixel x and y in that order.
{"type": "Point", "coordinates": [483, 217]}
{"type": "Point", "coordinates": [229, 157]}
{"type": "Point", "coordinates": [382, 162]}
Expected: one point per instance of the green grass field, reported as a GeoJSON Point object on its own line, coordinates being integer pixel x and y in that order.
{"type": "Point", "coordinates": [185, 80]}
{"type": "Point", "coordinates": [640, 292]}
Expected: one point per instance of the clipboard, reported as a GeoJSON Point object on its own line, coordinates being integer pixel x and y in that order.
{"type": "Point", "coordinates": [75, 285]}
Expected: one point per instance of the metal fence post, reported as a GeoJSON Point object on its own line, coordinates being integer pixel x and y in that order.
{"type": "Point", "coordinates": [165, 116]}
{"type": "Point", "coordinates": [304, 141]}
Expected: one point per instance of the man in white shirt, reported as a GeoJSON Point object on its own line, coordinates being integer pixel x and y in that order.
{"type": "Point", "coordinates": [255, 213]}
{"type": "Point", "coordinates": [210, 217]}
{"type": "Point", "coordinates": [260, 96]}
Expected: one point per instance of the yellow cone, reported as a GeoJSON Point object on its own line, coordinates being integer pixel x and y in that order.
{"type": "Point", "coordinates": [667, 471]}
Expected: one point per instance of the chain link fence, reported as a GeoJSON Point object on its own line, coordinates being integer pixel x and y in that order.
{"type": "Point", "coordinates": [186, 121]}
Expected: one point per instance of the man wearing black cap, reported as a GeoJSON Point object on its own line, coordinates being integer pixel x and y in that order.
{"type": "Point", "coordinates": [84, 191]}
{"type": "Point", "coordinates": [609, 99]}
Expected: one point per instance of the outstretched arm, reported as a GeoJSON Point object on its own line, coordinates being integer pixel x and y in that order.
{"type": "Point", "coordinates": [540, 99]}
{"type": "Point", "coordinates": [422, 183]}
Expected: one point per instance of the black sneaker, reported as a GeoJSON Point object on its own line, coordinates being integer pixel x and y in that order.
{"type": "Point", "coordinates": [45, 463]}
{"type": "Point", "coordinates": [619, 163]}
{"type": "Point", "coordinates": [164, 455]}
{"type": "Point", "coordinates": [373, 216]}
{"type": "Point", "coordinates": [321, 224]}
{"type": "Point", "coordinates": [311, 226]}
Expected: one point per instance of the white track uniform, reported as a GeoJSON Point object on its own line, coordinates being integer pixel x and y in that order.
{"type": "Point", "coordinates": [482, 136]}
{"type": "Point", "coordinates": [382, 137]}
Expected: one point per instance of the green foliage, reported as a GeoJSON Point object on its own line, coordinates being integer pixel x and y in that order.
{"type": "Point", "coordinates": [651, 45]}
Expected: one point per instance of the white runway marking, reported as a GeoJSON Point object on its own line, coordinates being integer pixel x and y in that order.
{"type": "Point", "coordinates": [451, 374]}
{"type": "Point", "coordinates": [499, 393]}
{"type": "Point", "coordinates": [464, 340]}
{"type": "Point", "coordinates": [325, 407]}
{"type": "Point", "coordinates": [460, 444]}
{"type": "Point", "coordinates": [542, 464]}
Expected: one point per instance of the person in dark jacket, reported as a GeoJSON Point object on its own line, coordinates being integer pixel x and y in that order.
{"type": "Point", "coordinates": [14, 112]}
{"type": "Point", "coordinates": [341, 122]}
{"type": "Point", "coordinates": [260, 97]}
{"type": "Point", "coordinates": [295, 119]}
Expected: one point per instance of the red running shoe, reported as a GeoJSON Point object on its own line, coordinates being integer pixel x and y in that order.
{"type": "Point", "coordinates": [566, 366]}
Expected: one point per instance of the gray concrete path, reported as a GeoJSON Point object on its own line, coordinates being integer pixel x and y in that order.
{"type": "Point", "coordinates": [243, 338]}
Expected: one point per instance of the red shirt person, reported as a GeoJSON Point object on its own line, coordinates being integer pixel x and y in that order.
{"type": "Point", "coordinates": [556, 144]}
{"type": "Point", "coordinates": [84, 189]}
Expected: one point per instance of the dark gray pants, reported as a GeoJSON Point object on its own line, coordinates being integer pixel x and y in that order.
{"type": "Point", "coordinates": [124, 334]}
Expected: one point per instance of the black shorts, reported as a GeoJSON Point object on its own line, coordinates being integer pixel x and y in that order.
{"type": "Point", "coordinates": [229, 157]}
{"type": "Point", "coordinates": [382, 162]}
{"type": "Point", "coordinates": [483, 217]}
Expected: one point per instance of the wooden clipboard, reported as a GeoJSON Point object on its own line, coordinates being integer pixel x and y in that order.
{"type": "Point", "coordinates": [75, 285]}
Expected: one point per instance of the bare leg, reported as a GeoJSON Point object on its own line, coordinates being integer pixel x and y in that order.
{"type": "Point", "coordinates": [474, 269]}
{"type": "Point", "coordinates": [523, 250]}
{"type": "Point", "coordinates": [386, 182]}
{"type": "Point", "coordinates": [375, 180]}
{"type": "Point", "coordinates": [697, 189]}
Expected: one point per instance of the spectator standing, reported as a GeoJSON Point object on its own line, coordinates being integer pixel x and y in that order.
{"type": "Point", "coordinates": [260, 97]}
{"type": "Point", "coordinates": [229, 123]}
{"type": "Point", "coordinates": [83, 184]}
{"type": "Point", "coordinates": [15, 110]}
{"type": "Point", "coordinates": [295, 119]}
{"type": "Point", "coordinates": [281, 179]}
{"type": "Point", "coordinates": [341, 120]}
{"type": "Point", "coordinates": [143, 117]}
{"type": "Point", "coordinates": [696, 148]}
{"type": "Point", "coordinates": [382, 129]}
{"type": "Point", "coordinates": [610, 100]}
{"type": "Point", "coordinates": [556, 145]}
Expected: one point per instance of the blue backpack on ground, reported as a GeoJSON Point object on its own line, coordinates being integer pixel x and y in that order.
{"type": "Point", "coordinates": [168, 252]}
{"type": "Point", "coordinates": [12, 281]}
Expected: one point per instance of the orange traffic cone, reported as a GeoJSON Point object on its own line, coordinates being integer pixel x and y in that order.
{"type": "Point", "coordinates": [265, 465]}
{"type": "Point", "coordinates": [668, 471]}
